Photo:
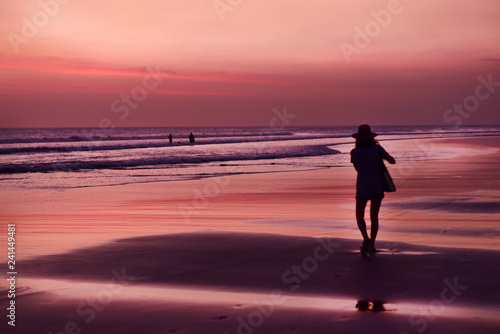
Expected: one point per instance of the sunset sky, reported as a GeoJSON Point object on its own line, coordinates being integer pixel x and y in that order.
{"type": "Point", "coordinates": [75, 63]}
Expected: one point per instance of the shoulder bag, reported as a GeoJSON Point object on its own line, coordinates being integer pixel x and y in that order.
{"type": "Point", "coordinates": [388, 183]}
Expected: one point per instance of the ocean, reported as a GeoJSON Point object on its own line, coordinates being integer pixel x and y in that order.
{"type": "Point", "coordinates": [84, 157]}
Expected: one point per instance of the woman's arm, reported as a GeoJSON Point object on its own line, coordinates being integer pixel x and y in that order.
{"type": "Point", "coordinates": [387, 156]}
{"type": "Point", "coordinates": [390, 159]}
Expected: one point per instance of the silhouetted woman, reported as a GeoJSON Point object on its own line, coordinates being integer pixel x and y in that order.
{"type": "Point", "coordinates": [366, 158]}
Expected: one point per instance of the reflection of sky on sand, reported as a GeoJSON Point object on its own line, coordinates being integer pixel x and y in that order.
{"type": "Point", "coordinates": [390, 251]}
{"type": "Point", "coordinates": [174, 294]}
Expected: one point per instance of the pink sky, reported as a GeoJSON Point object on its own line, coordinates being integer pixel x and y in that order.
{"type": "Point", "coordinates": [232, 68]}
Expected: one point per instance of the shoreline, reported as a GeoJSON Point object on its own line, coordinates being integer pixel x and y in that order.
{"type": "Point", "coordinates": [394, 141]}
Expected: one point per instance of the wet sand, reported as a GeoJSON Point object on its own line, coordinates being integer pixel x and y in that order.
{"type": "Point", "coordinates": [227, 282]}
{"type": "Point", "coordinates": [266, 253]}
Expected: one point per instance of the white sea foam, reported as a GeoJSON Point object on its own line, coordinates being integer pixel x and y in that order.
{"type": "Point", "coordinates": [68, 158]}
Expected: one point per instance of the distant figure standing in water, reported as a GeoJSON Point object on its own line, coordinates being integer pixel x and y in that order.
{"type": "Point", "coordinates": [170, 138]}
{"type": "Point", "coordinates": [367, 158]}
{"type": "Point", "coordinates": [191, 138]}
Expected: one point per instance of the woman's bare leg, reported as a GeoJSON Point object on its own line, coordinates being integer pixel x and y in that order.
{"type": "Point", "coordinates": [374, 210]}
{"type": "Point", "coordinates": [360, 218]}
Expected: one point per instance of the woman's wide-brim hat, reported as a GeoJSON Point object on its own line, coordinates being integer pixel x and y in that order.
{"type": "Point", "coordinates": [364, 132]}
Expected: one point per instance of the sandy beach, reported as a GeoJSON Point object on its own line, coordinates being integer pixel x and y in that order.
{"type": "Point", "coordinates": [264, 253]}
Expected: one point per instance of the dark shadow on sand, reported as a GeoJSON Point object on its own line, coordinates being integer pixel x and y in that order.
{"type": "Point", "coordinates": [264, 262]}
